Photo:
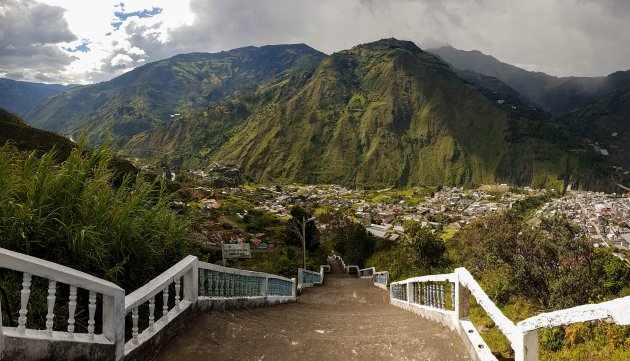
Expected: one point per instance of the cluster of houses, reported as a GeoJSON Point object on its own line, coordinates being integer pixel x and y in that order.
{"type": "Point", "coordinates": [604, 217]}
{"type": "Point", "coordinates": [386, 219]}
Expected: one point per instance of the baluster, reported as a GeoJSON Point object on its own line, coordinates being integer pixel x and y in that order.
{"type": "Point", "coordinates": [436, 289]}
{"type": "Point", "coordinates": [91, 311]}
{"type": "Point", "coordinates": [72, 306]}
{"type": "Point", "coordinates": [210, 290]}
{"type": "Point", "coordinates": [230, 288]}
{"type": "Point", "coordinates": [202, 282]}
{"type": "Point", "coordinates": [453, 295]}
{"type": "Point", "coordinates": [165, 303]}
{"type": "Point", "coordinates": [220, 285]}
{"type": "Point", "coordinates": [437, 295]}
{"type": "Point", "coordinates": [24, 295]}
{"type": "Point", "coordinates": [52, 289]}
{"type": "Point", "coordinates": [134, 329]}
{"type": "Point", "coordinates": [434, 295]}
{"type": "Point", "coordinates": [177, 288]}
{"type": "Point", "coordinates": [427, 295]}
{"type": "Point", "coordinates": [152, 313]}
{"type": "Point", "coordinates": [424, 293]}
{"type": "Point", "coordinates": [239, 285]}
{"type": "Point", "coordinates": [442, 296]}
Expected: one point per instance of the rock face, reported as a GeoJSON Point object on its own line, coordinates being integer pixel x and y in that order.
{"type": "Point", "coordinates": [380, 114]}
{"type": "Point", "coordinates": [345, 319]}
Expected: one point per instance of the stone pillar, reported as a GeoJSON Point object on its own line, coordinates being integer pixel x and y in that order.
{"type": "Point", "coordinates": [462, 301]}
{"type": "Point", "coordinates": [293, 287]}
{"type": "Point", "coordinates": [191, 284]}
{"type": "Point", "coordinates": [527, 350]}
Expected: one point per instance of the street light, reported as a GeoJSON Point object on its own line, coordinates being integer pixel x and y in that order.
{"type": "Point", "coordinates": [302, 236]}
{"type": "Point", "coordinates": [304, 222]}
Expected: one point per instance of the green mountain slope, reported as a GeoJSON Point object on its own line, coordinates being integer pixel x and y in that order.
{"type": "Point", "coordinates": [20, 97]}
{"type": "Point", "coordinates": [556, 95]}
{"type": "Point", "coordinates": [377, 115]}
{"type": "Point", "coordinates": [606, 121]}
{"type": "Point", "coordinates": [15, 132]}
{"type": "Point", "coordinates": [150, 94]}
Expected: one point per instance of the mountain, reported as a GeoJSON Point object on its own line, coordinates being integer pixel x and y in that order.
{"type": "Point", "coordinates": [556, 95]}
{"type": "Point", "coordinates": [20, 96]}
{"type": "Point", "coordinates": [23, 137]}
{"type": "Point", "coordinates": [26, 138]}
{"type": "Point", "coordinates": [152, 94]}
{"type": "Point", "coordinates": [380, 114]}
{"type": "Point", "coordinates": [605, 122]}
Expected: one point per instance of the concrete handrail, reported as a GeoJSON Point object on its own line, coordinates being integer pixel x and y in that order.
{"type": "Point", "coordinates": [426, 296]}
{"type": "Point", "coordinates": [366, 272]}
{"type": "Point", "coordinates": [183, 277]}
{"type": "Point", "coordinates": [616, 311]}
{"type": "Point", "coordinates": [381, 279]}
{"type": "Point", "coordinates": [113, 301]}
{"type": "Point", "coordinates": [224, 282]}
{"type": "Point", "coordinates": [156, 285]}
{"type": "Point", "coordinates": [308, 278]}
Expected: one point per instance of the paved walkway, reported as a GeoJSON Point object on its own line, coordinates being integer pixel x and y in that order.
{"type": "Point", "coordinates": [345, 319]}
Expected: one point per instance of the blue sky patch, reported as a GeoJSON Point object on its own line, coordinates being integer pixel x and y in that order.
{"type": "Point", "coordinates": [146, 13]}
{"type": "Point", "coordinates": [83, 47]}
{"type": "Point", "coordinates": [121, 15]}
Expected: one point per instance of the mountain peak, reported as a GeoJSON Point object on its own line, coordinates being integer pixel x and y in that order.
{"type": "Point", "coordinates": [391, 43]}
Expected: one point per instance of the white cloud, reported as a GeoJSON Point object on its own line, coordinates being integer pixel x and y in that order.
{"type": "Point", "coordinates": [562, 37]}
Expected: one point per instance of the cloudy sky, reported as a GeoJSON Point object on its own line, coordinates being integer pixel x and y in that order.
{"type": "Point", "coordinates": [86, 41]}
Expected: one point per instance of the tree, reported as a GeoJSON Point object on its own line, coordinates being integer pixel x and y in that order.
{"type": "Point", "coordinates": [351, 239]}
{"type": "Point", "coordinates": [427, 247]}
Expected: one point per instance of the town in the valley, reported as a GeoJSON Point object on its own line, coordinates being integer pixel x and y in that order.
{"type": "Point", "coordinates": [605, 218]}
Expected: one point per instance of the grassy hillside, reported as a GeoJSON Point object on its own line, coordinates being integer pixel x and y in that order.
{"type": "Point", "coordinates": [150, 94]}
{"type": "Point", "coordinates": [20, 97]}
{"type": "Point", "coordinates": [377, 115]}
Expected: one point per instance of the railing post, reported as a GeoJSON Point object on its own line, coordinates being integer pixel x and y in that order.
{"type": "Point", "coordinates": [265, 283]}
{"type": "Point", "coordinates": [114, 322]}
{"type": "Point", "coordinates": [191, 283]}
{"type": "Point", "coordinates": [1, 333]}
{"type": "Point", "coordinates": [293, 287]}
{"type": "Point", "coordinates": [527, 349]}
{"type": "Point", "coordinates": [462, 301]}
{"type": "Point", "coordinates": [409, 292]}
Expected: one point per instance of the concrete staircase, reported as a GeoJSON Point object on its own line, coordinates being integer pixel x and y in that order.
{"type": "Point", "coordinates": [346, 318]}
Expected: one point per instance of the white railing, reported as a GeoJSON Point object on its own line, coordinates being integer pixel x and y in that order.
{"type": "Point", "coordinates": [112, 303]}
{"type": "Point", "coordinates": [176, 290]}
{"type": "Point", "coordinates": [218, 282]}
{"type": "Point", "coordinates": [366, 272]}
{"type": "Point", "coordinates": [445, 298]}
{"type": "Point", "coordinates": [308, 278]}
{"type": "Point", "coordinates": [381, 279]}
{"type": "Point", "coordinates": [183, 276]}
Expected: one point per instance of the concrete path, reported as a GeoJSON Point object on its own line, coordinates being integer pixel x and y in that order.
{"type": "Point", "coordinates": [345, 319]}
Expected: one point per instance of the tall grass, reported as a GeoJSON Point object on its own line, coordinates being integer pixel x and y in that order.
{"type": "Point", "coordinates": [72, 213]}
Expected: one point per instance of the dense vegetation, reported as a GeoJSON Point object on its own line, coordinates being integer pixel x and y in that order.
{"type": "Point", "coordinates": [72, 213]}
{"type": "Point", "coordinates": [525, 270]}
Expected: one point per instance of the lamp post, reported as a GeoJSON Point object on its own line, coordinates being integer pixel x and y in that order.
{"type": "Point", "coordinates": [304, 222]}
